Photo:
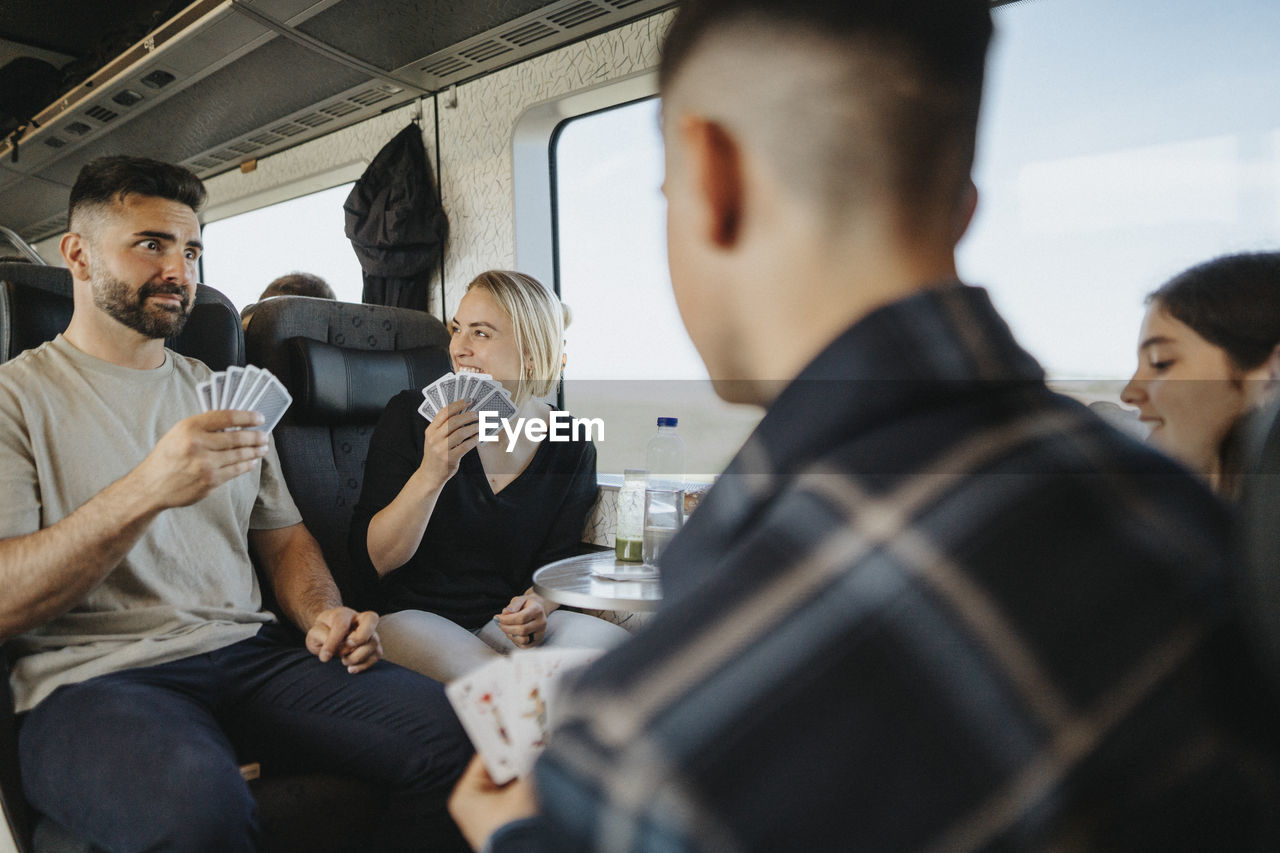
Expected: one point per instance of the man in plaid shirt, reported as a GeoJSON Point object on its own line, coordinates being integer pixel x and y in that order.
{"type": "Point", "coordinates": [930, 605]}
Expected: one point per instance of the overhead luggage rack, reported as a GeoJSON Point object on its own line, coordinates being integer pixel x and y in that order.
{"type": "Point", "coordinates": [191, 92]}
{"type": "Point", "coordinates": [24, 248]}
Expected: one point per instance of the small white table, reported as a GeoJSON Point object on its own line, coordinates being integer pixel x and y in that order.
{"type": "Point", "coordinates": [573, 581]}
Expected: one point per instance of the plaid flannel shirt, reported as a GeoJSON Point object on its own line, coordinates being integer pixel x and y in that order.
{"type": "Point", "coordinates": [931, 605]}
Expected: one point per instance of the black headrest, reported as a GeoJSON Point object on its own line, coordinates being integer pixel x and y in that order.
{"type": "Point", "coordinates": [213, 332]}
{"type": "Point", "coordinates": [36, 304]}
{"type": "Point", "coordinates": [337, 385]}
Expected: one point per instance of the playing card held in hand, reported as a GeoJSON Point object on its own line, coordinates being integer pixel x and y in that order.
{"type": "Point", "coordinates": [249, 388]}
{"type": "Point", "coordinates": [508, 706]}
{"type": "Point", "coordinates": [482, 392]}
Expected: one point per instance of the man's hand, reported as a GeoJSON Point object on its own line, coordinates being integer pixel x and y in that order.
{"type": "Point", "coordinates": [524, 620]}
{"type": "Point", "coordinates": [480, 807]}
{"type": "Point", "coordinates": [341, 630]}
{"type": "Point", "coordinates": [198, 454]}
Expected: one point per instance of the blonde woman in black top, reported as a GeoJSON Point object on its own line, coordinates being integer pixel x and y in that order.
{"type": "Point", "coordinates": [453, 528]}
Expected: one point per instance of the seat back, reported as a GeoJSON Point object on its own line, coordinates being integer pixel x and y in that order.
{"type": "Point", "coordinates": [341, 362]}
{"type": "Point", "coordinates": [13, 805]}
{"type": "Point", "coordinates": [36, 304]}
{"type": "Point", "coordinates": [1259, 538]}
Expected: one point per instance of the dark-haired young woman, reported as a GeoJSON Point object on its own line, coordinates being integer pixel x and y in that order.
{"type": "Point", "coordinates": [1207, 355]}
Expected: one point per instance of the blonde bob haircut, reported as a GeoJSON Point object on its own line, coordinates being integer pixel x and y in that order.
{"type": "Point", "coordinates": [538, 320]}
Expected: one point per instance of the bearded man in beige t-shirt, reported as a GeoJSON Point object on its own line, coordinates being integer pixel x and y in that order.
{"type": "Point", "coordinates": [129, 605]}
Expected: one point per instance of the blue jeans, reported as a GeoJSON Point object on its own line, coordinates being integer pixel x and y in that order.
{"type": "Point", "coordinates": [146, 759]}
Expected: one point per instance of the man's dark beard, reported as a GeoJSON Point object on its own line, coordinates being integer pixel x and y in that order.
{"type": "Point", "coordinates": [130, 308]}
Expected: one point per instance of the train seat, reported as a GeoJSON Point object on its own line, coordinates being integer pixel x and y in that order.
{"type": "Point", "coordinates": [296, 811]}
{"type": "Point", "coordinates": [1259, 539]}
{"type": "Point", "coordinates": [341, 362]}
{"type": "Point", "coordinates": [35, 305]}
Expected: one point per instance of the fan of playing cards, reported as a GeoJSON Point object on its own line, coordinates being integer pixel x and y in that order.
{"type": "Point", "coordinates": [249, 388]}
{"type": "Point", "coordinates": [484, 393]}
{"type": "Point", "coordinates": [508, 706]}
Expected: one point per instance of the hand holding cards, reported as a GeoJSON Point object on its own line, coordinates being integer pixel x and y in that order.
{"type": "Point", "coordinates": [249, 388]}
{"type": "Point", "coordinates": [505, 706]}
{"type": "Point", "coordinates": [481, 391]}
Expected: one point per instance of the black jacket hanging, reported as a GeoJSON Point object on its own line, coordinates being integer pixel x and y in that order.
{"type": "Point", "coordinates": [396, 224]}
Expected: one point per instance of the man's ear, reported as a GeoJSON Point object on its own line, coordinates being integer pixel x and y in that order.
{"type": "Point", "coordinates": [75, 251]}
{"type": "Point", "coordinates": [715, 166]}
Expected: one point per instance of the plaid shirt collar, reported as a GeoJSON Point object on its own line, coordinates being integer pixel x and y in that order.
{"type": "Point", "coordinates": [942, 342]}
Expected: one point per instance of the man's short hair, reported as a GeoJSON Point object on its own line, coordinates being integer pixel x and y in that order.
{"type": "Point", "coordinates": [843, 93]}
{"type": "Point", "coordinates": [299, 284]}
{"type": "Point", "coordinates": [106, 180]}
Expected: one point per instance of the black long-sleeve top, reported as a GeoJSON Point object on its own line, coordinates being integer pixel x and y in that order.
{"type": "Point", "coordinates": [479, 549]}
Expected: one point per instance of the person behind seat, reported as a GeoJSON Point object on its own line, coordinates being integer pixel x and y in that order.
{"type": "Point", "coordinates": [293, 284]}
{"type": "Point", "coordinates": [129, 606]}
{"type": "Point", "coordinates": [453, 535]}
{"type": "Point", "coordinates": [930, 605]}
{"type": "Point", "coordinates": [1207, 352]}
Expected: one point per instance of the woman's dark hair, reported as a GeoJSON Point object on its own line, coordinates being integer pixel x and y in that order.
{"type": "Point", "coordinates": [1233, 302]}
{"type": "Point", "coordinates": [108, 179]}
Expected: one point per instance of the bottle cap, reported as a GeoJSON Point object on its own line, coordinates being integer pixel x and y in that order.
{"type": "Point", "coordinates": [668, 422]}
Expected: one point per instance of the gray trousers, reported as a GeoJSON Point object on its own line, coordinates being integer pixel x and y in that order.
{"type": "Point", "coordinates": [443, 649]}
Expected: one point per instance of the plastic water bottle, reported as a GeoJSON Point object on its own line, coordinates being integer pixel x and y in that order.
{"type": "Point", "coordinates": [629, 541]}
{"type": "Point", "coordinates": [664, 456]}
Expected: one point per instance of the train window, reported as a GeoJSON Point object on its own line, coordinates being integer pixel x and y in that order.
{"type": "Point", "coordinates": [629, 358]}
{"type": "Point", "coordinates": [1120, 144]}
{"type": "Point", "coordinates": [245, 252]}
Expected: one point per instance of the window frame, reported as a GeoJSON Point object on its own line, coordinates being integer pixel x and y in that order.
{"type": "Point", "coordinates": [534, 171]}
{"type": "Point", "coordinates": [309, 185]}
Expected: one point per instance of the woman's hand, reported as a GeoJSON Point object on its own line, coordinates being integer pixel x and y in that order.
{"type": "Point", "coordinates": [396, 531]}
{"type": "Point", "coordinates": [524, 620]}
{"type": "Point", "coordinates": [451, 435]}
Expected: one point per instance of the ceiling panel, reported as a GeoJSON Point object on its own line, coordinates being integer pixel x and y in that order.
{"type": "Point", "coordinates": [408, 31]}
{"type": "Point", "coordinates": [248, 78]}
{"type": "Point", "coordinates": [79, 28]}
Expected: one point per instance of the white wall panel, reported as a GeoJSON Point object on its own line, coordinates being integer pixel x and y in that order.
{"type": "Point", "coordinates": [475, 143]}
{"type": "Point", "coordinates": [295, 170]}
{"type": "Point", "coordinates": [476, 138]}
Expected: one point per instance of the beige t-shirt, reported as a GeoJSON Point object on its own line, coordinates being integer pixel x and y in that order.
{"type": "Point", "coordinates": [70, 425]}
